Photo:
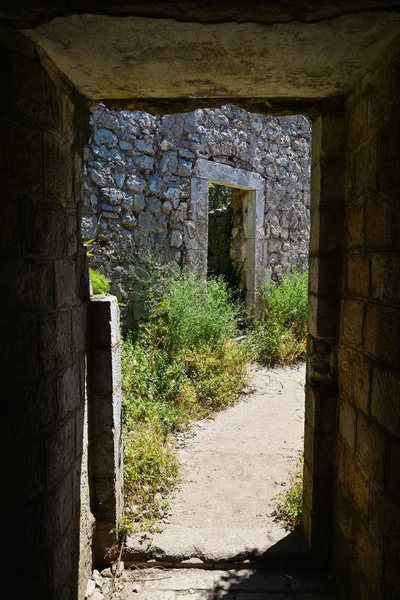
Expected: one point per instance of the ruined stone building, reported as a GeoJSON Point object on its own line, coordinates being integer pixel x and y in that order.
{"type": "Point", "coordinates": [146, 197]}
{"type": "Point", "coordinates": [337, 63]}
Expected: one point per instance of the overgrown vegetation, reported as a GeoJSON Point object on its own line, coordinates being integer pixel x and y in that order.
{"type": "Point", "coordinates": [280, 336]}
{"type": "Point", "coordinates": [289, 503]}
{"type": "Point", "coordinates": [100, 284]}
{"type": "Point", "coordinates": [182, 364]}
{"type": "Point", "coordinates": [219, 196]}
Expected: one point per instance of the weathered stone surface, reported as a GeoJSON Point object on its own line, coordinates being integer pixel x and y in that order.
{"type": "Point", "coordinates": [152, 175]}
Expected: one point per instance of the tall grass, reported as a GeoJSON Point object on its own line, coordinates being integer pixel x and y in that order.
{"type": "Point", "coordinates": [280, 337]}
{"type": "Point", "coordinates": [183, 363]}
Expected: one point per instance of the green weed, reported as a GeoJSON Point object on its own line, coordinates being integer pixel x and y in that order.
{"type": "Point", "coordinates": [183, 363]}
{"type": "Point", "coordinates": [289, 504]}
{"type": "Point", "coordinates": [280, 337]}
{"type": "Point", "coordinates": [100, 284]}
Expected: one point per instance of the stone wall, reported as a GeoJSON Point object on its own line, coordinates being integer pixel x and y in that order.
{"type": "Point", "coordinates": [46, 513]}
{"type": "Point", "coordinates": [138, 201]}
{"type": "Point", "coordinates": [367, 511]}
{"type": "Point", "coordinates": [219, 242]}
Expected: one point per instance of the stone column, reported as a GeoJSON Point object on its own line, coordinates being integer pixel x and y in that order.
{"type": "Point", "coordinates": [327, 201]}
{"type": "Point", "coordinates": [105, 448]}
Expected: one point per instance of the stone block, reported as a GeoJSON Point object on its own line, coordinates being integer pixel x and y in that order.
{"type": "Point", "coordinates": [324, 402]}
{"type": "Point", "coordinates": [385, 278]}
{"type": "Point", "coordinates": [106, 370]}
{"type": "Point", "coordinates": [43, 229]}
{"type": "Point", "coordinates": [371, 448]}
{"type": "Point", "coordinates": [393, 471]}
{"type": "Point", "coordinates": [63, 338]}
{"type": "Point", "coordinates": [358, 275]}
{"type": "Point", "coordinates": [69, 393]}
{"type": "Point", "coordinates": [10, 243]}
{"type": "Point", "coordinates": [79, 329]}
{"type": "Point", "coordinates": [322, 317]}
{"type": "Point", "coordinates": [382, 334]}
{"type": "Point", "coordinates": [382, 221]}
{"type": "Point", "coordinates": [352, 319]}
{"type": "Point", "coordinates": [354, 480]}
{"type": "Point", "coordinates": [58, 170]}
{"type": "Point", "coordinates": [55, 515]}
{"type": "Point", "coordinates": [65, 565]}
{"type": "Point", "coordinates": [324, 275]}
{"type": "Point", "coordinates": [389, 155]}
{"type": "Point", "coordinates": [104, 321]}
{"type": "Point", "coordinates": [369, 555]}
{"type": "Point", "coordinates": [366, 158]}
{"type": "Point", "coordinates": [361, 377]}
{"type": "Point", "coordinates": [37, 400]}
{"type": "Point", "coordinates": [30, 465]}
{"type": "Point", "coordinates": [385, 522]}
{"type": "Point", "coordinates": [105, 137]}
{"type": "Point", "coordinates": [354, 225]}
{"type": "Point", "coordinates": [60, 452]}
{"type": "Point", "coordinates": [65, 283]}
{"type": "Point", "coordinates": [345, 357]}
{"type": "Point", "coordinates": [347, 423]}
{"type": "Point", "coordinates": [384, 398]}
{"type": "Point", "coordinates": [47, 342]}
{"type": "Point", "coordinates": [35, 96]}
{"type": "Point", "coordinates": [390, 586]}
{"type": "Point", "coordinates": [21, 170]}
{"type": "Point", "coordinates": [358, 122]}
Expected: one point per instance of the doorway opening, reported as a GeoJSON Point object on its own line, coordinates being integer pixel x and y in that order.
{"type": "Point", "coordinates": [158, 191]}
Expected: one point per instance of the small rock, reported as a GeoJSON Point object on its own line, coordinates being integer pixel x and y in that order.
{"type": "Point", "coordinates": [107, 573]}
{"type": "Point", "coordinates": [90, 588]}
{"type": "Point", "coordinates": [192, 561]}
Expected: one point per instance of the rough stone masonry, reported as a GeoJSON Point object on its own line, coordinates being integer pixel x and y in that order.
{"type": "Point", "coordinates": [139, 199]}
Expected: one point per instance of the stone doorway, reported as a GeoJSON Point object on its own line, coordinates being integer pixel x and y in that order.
{"type": "Point", "coordinates": [248, 248]}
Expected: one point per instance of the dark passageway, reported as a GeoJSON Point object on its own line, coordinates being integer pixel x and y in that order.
{"type": "Point", "coordinates": [336, 63]}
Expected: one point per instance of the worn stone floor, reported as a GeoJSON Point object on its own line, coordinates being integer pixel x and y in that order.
{"type": "Point", "coordinates": [200, 584]}
{"type": "Point", "coordinates": [222, 515]}
{"type": "Point", "coordinates": [232, 469]}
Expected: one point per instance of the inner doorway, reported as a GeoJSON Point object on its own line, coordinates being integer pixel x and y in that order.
{"type": "Point", "coordinates": [231, 240]}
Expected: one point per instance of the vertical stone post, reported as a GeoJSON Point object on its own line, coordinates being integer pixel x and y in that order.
{"type": "Point", "coordinates": [327, 206]}
{"type": "Point", "coordinates": [104, 396]}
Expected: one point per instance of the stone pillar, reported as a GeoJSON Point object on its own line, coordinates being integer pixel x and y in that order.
{"type": "Point", "coordinates": [327, 201]}
{"type": "Point", "coordinates": [105, 444]}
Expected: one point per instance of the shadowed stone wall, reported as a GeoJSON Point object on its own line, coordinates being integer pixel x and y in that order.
{"type": "Point", "coordinates": [138, 196]}
{"type": "Point", "coordinates": [367, 510]}
{"type": "Point", "coordinates": [47, 524]}
{"type": "Point", "coordinates": [219, 260]}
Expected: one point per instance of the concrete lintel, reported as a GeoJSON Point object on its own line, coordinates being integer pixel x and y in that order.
{"type": "Point", "coordinates": [227, 175]}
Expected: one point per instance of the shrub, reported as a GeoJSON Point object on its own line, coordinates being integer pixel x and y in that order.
{"type": "Point", "coordinates": [198, 313]}
{"type": "Point", "coordinates": [99, 282]}
{"type": "Point", "coordinates": [183, 363]}
{"type": "Point", "coordinates": [280, 337]}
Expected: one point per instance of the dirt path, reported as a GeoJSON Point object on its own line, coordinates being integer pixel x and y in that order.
{"type": "Point", "coordinates": [231, 470]}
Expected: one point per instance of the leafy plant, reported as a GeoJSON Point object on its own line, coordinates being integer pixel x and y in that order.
{"type": "Point", "coordinates": [280, 337]}
{"type": "Point", "coordinates": [88, 244]}
{"type": "Point", "coordinates": [100, 284]}
{"type": "Point", "coordinates": [219, 196]}
{"type": "Point", "coordinates": [182, 363]}
{"type": "Point", "coordinates": [289, 504]}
